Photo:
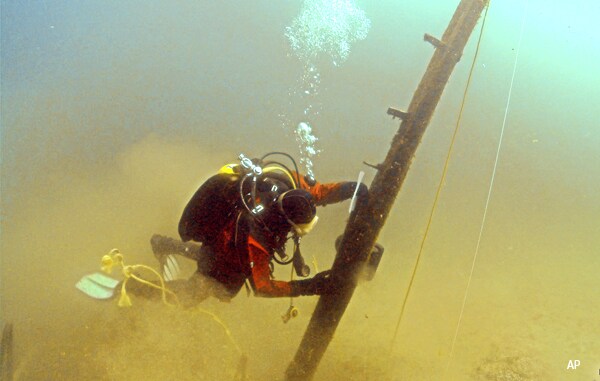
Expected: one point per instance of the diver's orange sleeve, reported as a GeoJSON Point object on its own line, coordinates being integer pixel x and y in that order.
{"type": "Point", "coordinates": [261, 273]}
{"type": "Point", "coordinates": [329, 193]}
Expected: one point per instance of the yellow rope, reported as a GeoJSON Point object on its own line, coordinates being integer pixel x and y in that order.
{"type": "Point", "coordinates": [224, 326]}
{"type": "Point", "coordinates": [439, 188]}
{"type": "Point", "coordinates": [115, 258]}
{"type": "Point", "coordinates": [291, 279]}
{"type": "Point", "coordinates": [490, 188]}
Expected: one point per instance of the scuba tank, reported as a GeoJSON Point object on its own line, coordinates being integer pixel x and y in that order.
{"type": "Point", "coordinates": [219, 200]}
{"type": "Point", "coordinates": [209, 210]}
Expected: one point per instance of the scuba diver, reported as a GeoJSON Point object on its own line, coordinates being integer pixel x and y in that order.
{"type": "Point", "coordinates": [237, 224]}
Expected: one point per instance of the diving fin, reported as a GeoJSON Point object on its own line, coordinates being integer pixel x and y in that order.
{"type": "Point", "coordinates": [170, 268]}
{"type": "Point", "coordinates": [97, 286]}
{"type": "Point", "coordinates": [164, 249]}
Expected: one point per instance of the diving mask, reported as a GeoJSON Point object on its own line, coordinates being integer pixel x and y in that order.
{"type": "Point", "coordinates": [298, 207]}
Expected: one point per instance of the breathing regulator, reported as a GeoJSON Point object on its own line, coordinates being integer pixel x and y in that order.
{"type": "Point", "coordinates": [271, 183]}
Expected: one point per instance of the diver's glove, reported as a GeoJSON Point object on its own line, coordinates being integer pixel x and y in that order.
{"type": "Point", "coordinates": [347, 189]}
{"type": "Point", "coordinates": [344, 191]}
{"type": "Point", "coordinates": [320, 284]}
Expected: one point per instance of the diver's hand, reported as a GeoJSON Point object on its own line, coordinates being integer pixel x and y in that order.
{"type": "Point", "coordinates": [320, 284]}
{"type": "Point", "coordinates": [346, 189]}
{"type": "Point", "coordinates": [323, 276]}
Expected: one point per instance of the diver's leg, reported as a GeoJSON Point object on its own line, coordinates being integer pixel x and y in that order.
{"type": "Point", "coordinates": [165, 249]}
{"type": "Point", "coordinates": [192, 291]}
{"type": "Point", "coordinates": [142, 290]}
{"type": "Point", "coordinates": [163, 246]}
{"type": "Point", "coordinates": [189, 292]}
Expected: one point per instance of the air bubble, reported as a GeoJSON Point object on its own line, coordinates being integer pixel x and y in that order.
{"type": "Point", "coordinates": [327, 27]}
{"type": "Point", "coordinates": [325, 30]}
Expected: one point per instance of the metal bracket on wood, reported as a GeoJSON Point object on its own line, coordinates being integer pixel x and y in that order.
{"type": "Point", "coordinates": [439, 44]}
{"type": "Point", "coordinates": [395, 113]}
{"type": "Point", "coordinates": [434, 41]}
{"type": "Point", "coordinates": [377, 167]}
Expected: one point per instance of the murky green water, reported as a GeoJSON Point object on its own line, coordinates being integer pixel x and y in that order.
{"type": "Point", "coordinates": [114, 112]}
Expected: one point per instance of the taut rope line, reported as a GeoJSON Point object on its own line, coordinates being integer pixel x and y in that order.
{"type": "Point", "coordinates": [489, 194]}
{"type": "Point", "coordinates": [439, 188]}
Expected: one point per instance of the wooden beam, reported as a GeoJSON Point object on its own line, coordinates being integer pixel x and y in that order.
{"type": "Point", "coordinates": [365, 224]}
